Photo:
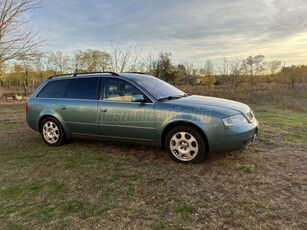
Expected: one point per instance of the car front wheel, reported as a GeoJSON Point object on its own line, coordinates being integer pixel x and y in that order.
{"type": "Point", "coordinates": [52, 132]}
{"type": "Point", "coordinates": [185, 144]}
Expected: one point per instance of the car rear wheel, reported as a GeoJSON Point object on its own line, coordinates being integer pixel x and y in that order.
{"type": "Point", "coordinates": [185, 144]}
{"type": "Point", "coordinates": [52, 131]}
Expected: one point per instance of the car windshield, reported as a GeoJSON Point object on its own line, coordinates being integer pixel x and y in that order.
{"type": "Point", "coordinates": [158, 88]}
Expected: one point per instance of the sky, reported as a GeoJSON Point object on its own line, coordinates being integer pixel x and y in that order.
{"type": "Point", "coordinates": [192, 30]}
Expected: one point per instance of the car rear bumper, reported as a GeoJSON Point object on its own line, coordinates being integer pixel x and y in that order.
{"type": "Point", "coordinates": [232, 143]}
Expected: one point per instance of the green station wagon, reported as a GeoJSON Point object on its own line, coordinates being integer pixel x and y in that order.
{"type": "Point", "coordinates": [138, 108]}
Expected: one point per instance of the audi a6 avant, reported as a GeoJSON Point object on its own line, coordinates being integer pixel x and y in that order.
{"type": "Point", "coordinates": [138, 108]}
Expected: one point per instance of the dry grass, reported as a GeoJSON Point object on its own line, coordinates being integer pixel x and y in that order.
{"type": "Point", "coordinates": [281, 96]}
{"type": "Point", "coordinates": [95, 185]}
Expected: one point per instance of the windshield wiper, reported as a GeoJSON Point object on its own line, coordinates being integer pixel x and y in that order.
{"type": "Point", "coordinates": [173, 97]}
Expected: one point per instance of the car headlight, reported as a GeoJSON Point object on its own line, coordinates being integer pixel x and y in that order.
{"type": "Point", "coordinates": [234, 120]}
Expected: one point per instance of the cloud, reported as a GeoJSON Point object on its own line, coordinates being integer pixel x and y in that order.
{"type": "Point", "coordinates": [192, 30]}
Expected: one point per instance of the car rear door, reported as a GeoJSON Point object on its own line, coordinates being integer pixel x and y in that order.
{"type": "Point", "coordinates": [79, 110]}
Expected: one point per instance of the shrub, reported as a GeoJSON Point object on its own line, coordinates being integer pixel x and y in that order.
{"type": "Point", "coordinates": [247, 168]}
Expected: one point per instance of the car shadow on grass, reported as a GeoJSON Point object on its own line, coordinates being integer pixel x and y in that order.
{"type": "Point", "coordinates": [148, 152]}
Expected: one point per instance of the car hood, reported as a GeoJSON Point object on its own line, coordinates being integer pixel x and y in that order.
{"type": "Point", "coordinates": [199, 101]}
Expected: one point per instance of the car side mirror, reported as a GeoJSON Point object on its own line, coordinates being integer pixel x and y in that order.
{"type": "Point", "coordinates": [138, 98]}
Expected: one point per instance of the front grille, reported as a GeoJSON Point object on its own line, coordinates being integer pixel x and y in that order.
{"type": "Point", "coordinates": [250, 116]}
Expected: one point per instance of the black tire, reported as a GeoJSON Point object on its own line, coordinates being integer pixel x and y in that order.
{"type": "Point", "coordinates": [52, 132]}
{"type": "Point", "coordinates": [185, 144]}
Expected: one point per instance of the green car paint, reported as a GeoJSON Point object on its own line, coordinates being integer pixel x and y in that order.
{"type": "Point", "coordinates": [144, 122]}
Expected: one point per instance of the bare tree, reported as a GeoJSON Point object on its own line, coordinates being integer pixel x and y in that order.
{"type": "Point", "coordinates": [2, 71]}
{"type": "Point", "coordinates": [208, 69]}
{"type": "Point", "coordinates": [235, 67]}
{"type": "Point", "coordinates": [231, 71]}
{"type": "Point", "coordinates": [38, 64]}
{"type": "Point", "coordinates": [124, 59]}
{"type": "Point", "coordinates": [222, 66]}
{"type": "Point", "coordinates": [147, 64]}
{"type": "Point", "coordinates": [16, 38]}
{"type": "Point", "coordinates": [274, 66]}
{"type": "Point", "coordinates": [57, 62]}
{"type": "Point", "coordinates": [254, 64]}
{"type": "Point", "coordinates": [76, 60]}
{"type": "Point", "coordinates": [26, 62]}
{"type": "Point", "coordinates": [208, 73]}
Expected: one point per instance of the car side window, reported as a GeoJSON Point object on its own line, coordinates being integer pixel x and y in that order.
{"type": "Point", "coordinates": [118, 90]}
{"type": "Point", "coordinates": [53, 89]}
{"type": "Point", "coordinates": [82, 88]}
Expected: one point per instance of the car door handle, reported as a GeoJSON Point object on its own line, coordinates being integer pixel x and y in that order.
{"type": "Point", "coordinates": [103, 110]}
{"type": "Point", "coordinates": [62, 107]}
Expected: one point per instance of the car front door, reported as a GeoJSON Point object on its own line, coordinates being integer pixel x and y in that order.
{"type": "Point", "coordinates": [79, 109]}
{"type": "Point", "coordinates": [119, 117]}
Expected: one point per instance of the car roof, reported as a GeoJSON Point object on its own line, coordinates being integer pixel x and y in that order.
{"type": "Point", "coordinates": [134, 75]}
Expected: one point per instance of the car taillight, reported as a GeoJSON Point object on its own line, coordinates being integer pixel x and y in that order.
{"type": "Point", "coordinates": [26, 107]}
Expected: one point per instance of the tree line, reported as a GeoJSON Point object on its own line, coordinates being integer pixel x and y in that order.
{"type": "Point", "coordinates": [23, 66]}
{"type": "Point", "coordinates": [28, 71]}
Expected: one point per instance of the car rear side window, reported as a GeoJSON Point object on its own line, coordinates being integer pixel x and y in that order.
{"type": "Point", "coordinates": [82, 88]}
{"type": "Point", "coordinates": [53, 89]}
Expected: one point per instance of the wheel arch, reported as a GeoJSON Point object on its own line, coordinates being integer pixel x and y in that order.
{"type": "Point", "coordinates": [174, 124]}
{"type": "Point", "coordinates": [44, 116]}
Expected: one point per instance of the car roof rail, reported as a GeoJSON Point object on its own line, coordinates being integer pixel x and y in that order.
{"type": "Point", "coordinates": [136, 72]}
{"type": "Point", "coordinates": [83, 73]}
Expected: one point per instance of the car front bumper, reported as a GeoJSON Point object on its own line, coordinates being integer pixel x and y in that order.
{"type": "Point", "coordinates": [237, 138]}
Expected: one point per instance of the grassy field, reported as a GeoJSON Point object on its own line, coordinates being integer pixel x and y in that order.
{"type": "Point", "coordinates": [95, 185]}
